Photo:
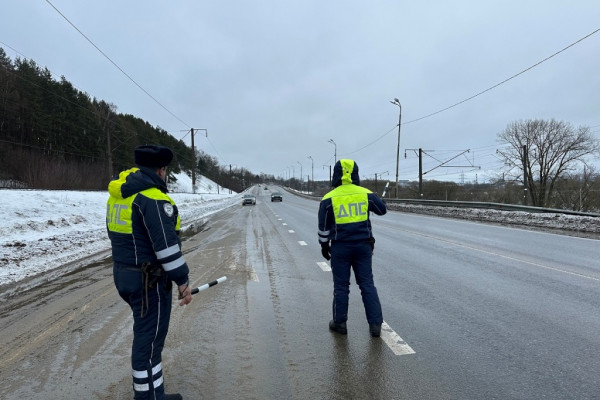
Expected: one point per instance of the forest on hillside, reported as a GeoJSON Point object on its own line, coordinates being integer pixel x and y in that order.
{"type": "Point", "coordinates": [54, 136]}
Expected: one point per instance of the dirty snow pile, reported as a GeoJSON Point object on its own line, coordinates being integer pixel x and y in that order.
{"type": "Point", "coordinates": [42, 230]}
{"type": "Point", "coordinates": [584, 226]}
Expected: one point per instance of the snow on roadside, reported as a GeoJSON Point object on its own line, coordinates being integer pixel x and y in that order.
{"type": "Point", "coordinates": [583, 226]}
{"type": "Point", "coordinates": [42, 229]}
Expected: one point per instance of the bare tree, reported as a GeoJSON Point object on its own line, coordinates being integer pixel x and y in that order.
{"type": "Point", "coordinates": [579, 191]}
{"type": "Point", "coordinates": [545, 151]}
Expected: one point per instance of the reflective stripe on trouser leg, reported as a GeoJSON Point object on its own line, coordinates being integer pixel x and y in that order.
{"type": "Point", "coordinates": [149, 335]}
{"type": "Point", "coordinates": [141, 382]}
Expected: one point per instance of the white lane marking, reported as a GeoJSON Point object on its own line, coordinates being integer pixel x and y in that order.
{"type": "Point", "coordinates": [284, 224]}
{"type": "Point", "coordinates": [253, 276]}
{"type": "Point", "coordinates": [302, 243]}
{"type": "Point", "coordinates": [394, 341]}
{"type": "Point", "coordinates": [290, 231]}
{"type": "Point", "coordinates": [324, 266]}
{"type": "Point", "coordinates": [279, 219]}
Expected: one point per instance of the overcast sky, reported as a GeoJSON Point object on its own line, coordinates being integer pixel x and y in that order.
{"type": "Point", "coordinates": [273, 81]}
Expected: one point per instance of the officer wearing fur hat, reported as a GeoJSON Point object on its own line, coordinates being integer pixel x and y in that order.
{"type": "Point", "coordinates": [344, 222]}
{"type": "Point", "coordinates": [143, 226]}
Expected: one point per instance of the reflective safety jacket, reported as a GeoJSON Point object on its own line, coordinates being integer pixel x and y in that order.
{"type": "Point", "coordinates": [143, 223]}
{"type": "Point", "coordinates": [344, 211]}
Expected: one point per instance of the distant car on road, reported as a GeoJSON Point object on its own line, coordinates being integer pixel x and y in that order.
{"type": "Point", "coordinates": [248, 199]}
{"type": "Point", "coordinates": [276, 196]}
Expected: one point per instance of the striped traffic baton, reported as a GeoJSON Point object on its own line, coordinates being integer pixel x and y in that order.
{"type": "Point", "coordinates": [209, 284]}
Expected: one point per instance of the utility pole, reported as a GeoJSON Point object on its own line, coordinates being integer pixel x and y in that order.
{"type": "Point", "coordinates": [420, 172]}
{"type": "Point", "coordinates": [397, 102]}
{"type": "Point", "coordinates": [194, 166]}
{"type": "Point", "coordinates": [193, 163]}
{"type": "Point", "coordinates": [329, 173]}
{"type": "Point", "coordinates": [525, 181]}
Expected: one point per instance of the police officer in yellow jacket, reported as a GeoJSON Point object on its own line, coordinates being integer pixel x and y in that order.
{"type": "Point", "coordinates": [344, 222]}
{"type": "Point", "coordinates": [143, 225]}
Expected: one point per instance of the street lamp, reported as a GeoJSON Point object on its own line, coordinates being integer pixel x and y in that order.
{"type": "Point", "coordinates": [335, 150]}
{"type": "Point", "coordinates": [300, 175]}
{"type": "Point", "coordinates": [397, 102]}
{"type": "Point", "coordinates": [312, 171]}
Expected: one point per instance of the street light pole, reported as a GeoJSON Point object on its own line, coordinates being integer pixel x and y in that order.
{"type": "Point", "coordinates": [335, 150]}
{"type": "Point", "coordinates": [397, 102]}
{"type": "Point", "coordinates": [300, 175]}
{"type": "Point", "coordinates": [312, 171]}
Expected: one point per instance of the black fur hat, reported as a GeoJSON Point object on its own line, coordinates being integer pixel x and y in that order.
{"type": "Point", "coordinates": [153, 156]}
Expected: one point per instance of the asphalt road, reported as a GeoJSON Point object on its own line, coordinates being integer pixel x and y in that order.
{"type": "Point", "coordinates": [472, 311]}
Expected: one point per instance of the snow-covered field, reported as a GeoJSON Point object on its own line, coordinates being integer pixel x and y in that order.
{"type": "Point", "coordinates": [42, 230]}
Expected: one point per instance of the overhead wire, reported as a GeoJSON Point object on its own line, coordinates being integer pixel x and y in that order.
{"type": "Point", "coordinates": [480, 93]}
{"type": "Point", "coordinates": [117, 66]}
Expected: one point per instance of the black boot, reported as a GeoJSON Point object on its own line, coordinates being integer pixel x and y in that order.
{"type": "Point", "coordinates": [375, 330]}
{"type": "Point", "coordinates": [174, 396]}
{"type": "Point", "coordinates": [339, 327]}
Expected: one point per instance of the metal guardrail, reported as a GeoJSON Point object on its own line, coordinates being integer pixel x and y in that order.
{"type": "Point", "coordinates": [491, 206]}
{"type": "Point", "coordinates": [472, 204]}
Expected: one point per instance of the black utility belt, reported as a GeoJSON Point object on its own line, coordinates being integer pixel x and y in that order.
{"type": "Point", "coordinates": [152, 269]}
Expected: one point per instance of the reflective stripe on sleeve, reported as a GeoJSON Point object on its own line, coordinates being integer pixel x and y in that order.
{"type": "Point", "coordinates": [174, 264]}
{"type": "Point", "coordinates": [169, 251]}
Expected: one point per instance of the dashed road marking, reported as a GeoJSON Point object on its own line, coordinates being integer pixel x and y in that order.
{"type": "Point", "coordinates": [324, 266]}
{"type": "Point", "coordinates": [290, 231]}
{"type": "Point", "coordinates": [394, 341]}
{"type": "Point", "coordinates": [284, 224]}
{"type": "Point", "coordinates": [302, 243]}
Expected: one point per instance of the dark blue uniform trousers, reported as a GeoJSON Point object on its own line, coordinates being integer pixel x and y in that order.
{"type": "Point", "coordinates": [358, 256]}
{"type": "Point", "coordinates": [150, 327]}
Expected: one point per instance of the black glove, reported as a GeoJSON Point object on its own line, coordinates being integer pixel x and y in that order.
{"type": "Point", "coordinates": [325, 251]}
{"type": "Point", "coordinates": [372, 243]}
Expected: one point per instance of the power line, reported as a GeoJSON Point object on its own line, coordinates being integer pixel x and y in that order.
{"type": "Point", "coordinates": [504, 81]}
{"type": "Point", "coordinates": [480, 93]}
{"type": "Point", "coordinates": [117, 66]}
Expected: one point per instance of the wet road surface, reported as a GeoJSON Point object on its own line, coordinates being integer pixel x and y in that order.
{"type": "Point", "coordinates": [469, 314]}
